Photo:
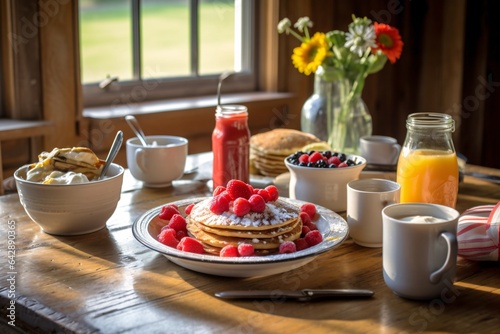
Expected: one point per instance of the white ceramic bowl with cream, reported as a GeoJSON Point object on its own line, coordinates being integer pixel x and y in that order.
{"type": "Point", "coordinates": [70, 209]}
{"type": "Point", "coordinates": [324, 186]}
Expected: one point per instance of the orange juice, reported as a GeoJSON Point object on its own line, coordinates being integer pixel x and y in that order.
{"type": "Point", "coordinates": [428, 176]}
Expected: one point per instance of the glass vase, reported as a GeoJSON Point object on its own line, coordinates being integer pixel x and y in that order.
{"type": "Point", "coordinates": [317, 111]}
{"type": "Point", "coordinates": [351, 119]}
{"type": "Point", "coordinates": [336, 113]}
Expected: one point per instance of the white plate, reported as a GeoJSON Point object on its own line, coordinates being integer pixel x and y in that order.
{"type": "Point", "coordinates": [332, 226]}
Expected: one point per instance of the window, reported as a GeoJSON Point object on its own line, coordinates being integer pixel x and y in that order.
{"type": "Point", "coordinates": [141, 50]}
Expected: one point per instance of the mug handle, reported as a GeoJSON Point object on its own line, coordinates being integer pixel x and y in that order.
{"type": "Point", "coordinates": [140, 155]}
{"type": "Point", "coordinates": [450, 239]}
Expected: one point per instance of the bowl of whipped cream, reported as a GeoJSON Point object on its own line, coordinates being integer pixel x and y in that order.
{"type": "Point", "coordinates": [64, 194]}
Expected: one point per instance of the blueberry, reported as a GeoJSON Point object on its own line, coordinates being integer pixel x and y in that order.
{"type": "Point", "coordinates": [342, 157]}
{"type": "Point", "coordinates": [311, 164]}
{"type": "Point", "coordinates": [302, 164]}
{"type": "Point", "coordinates": [332, 166]}
{"type": "Point", "coordinates": [327, 154]}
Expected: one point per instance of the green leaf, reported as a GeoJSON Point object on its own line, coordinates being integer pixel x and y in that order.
{"type": "Point", "coordinates": [376, 62]}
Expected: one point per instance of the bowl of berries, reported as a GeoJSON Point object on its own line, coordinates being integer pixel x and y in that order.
{"type": "Point", "coordinates": [321, 177]}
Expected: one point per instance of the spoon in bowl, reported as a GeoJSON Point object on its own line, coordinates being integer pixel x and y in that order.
{"type": "Point", "coordinates": [113, 151]}
{"type": "Point", "coordinates": [134, 124]}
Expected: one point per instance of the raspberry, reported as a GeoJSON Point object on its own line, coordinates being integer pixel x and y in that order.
{"type": "Point", "coordinates": [181, 234]}
{"type": "Point", "coordinates": [305, 218]}
{"type": "Point", "coordinates": [241, 206]}
{"type": "Point", "coordinates": [312, 226]}
{"type": "Point", "coordinates": [257, 203]}
{"type": "Point", "coordinates": [168, 237]}
{"type": "Point", "coordinates": [343, 164]}
{"type": "Point", "coordinates": [315, 157]}
{"type": "Point", "coordinates": [219, 204]}
{"type": "Point", "coordinates": [273, 193]}
{"type": "Point", "coordinates": [334, 160]}
{"type": "Point", "coordinates": [301, 244]}
{"type": "Point", "coordinates": [251, 188]}
{"type": "Point", "coordinates": [188, 209]}
{"type": "Point", "coordinates": [237, 188]}
{"type": "Point", "coordinates": [313, 238]}
{"type": "Point", "coordinates": [167, 211]}
{"type": "Point", "coordinates": [265, 194]}
{"type": "Point", "coordinates": [309, 208]}
{"type": "Point", "coordinates": [304, 158]}
{"type": "Point", "coordinates": [188, 244]}
{"type": "Point", "coordinates": [287, 247]}
{"type": "Point", "coordinates": [245, 249]}
{"type": "Point", "coordinates": [177, 222]}
{"type": "Point", "coordinates": [229, 251]}
{"type": "Point", "coordinates": [218, 190]}
{"type": "Point", "coordinates": [305, 230]}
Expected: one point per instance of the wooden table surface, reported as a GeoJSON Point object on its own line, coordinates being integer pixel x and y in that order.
{"type": "Point", "coordinates": [107, 282]}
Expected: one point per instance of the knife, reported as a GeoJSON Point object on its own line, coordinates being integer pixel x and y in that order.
{"type": "Point", "coordinates": [301, 295]}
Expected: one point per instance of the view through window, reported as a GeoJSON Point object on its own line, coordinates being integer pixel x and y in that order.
{"type": "Point", "coordinates": [167, 40]}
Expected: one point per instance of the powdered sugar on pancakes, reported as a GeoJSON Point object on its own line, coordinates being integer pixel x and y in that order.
{"type": "Point", "coordinates": [276, 214]}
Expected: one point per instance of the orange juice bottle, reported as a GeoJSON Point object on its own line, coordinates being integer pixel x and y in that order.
{"type": "Point", "coordinates": [427, 167]}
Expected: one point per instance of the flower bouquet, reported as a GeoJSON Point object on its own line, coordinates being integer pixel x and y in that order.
{"type": "Point", "coordinates": [346, 58]}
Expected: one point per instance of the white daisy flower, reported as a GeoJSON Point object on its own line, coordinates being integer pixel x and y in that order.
{"type": "Point", "coordinates": [359, 38]}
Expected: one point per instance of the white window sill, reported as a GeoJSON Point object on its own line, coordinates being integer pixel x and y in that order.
{"type": "Point", "coordinates": [120, 111]}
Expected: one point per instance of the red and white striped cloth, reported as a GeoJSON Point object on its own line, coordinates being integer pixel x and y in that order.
{"type": "Point", "coordinates": [478, 233]}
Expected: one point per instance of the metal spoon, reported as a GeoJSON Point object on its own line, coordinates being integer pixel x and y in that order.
{"type": "Point", "coordinates": [223, 76]}
{"type": "Point", "coordinates": [134, 124]}
{"type": "Point", "coordinates": [113, 151]}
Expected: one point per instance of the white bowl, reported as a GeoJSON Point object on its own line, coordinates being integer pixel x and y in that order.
{"type": "Point", "coordinates": [70, 209]}
{"type": "Point", "coordinates": [159, 164]}
{"type": "Point", "coordinates": [324, 186]}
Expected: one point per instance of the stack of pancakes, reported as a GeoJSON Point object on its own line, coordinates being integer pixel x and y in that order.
{"type": "Point", "coordinates": [268, 150]}
{"type": "Point", "coordinates": [279, 222]}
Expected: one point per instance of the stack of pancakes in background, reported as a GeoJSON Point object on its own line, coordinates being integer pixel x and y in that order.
{"type": "Point", "coordinates": [266, 230]}
{"type": "Point", "coordinates": [268, 150]}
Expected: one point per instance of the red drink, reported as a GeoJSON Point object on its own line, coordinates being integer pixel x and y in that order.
{"type": "Point", "coordinates": [230, 145]}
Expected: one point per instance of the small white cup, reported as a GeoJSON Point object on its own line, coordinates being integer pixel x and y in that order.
{"type": "Point", "coordinates": [365, 200]}
{"type": "Point", "coordinates": [419, 258]}
{"type": "Point", "coordinates": [379, 150]}
{"type": "Point", "coordinates": [158, 164]}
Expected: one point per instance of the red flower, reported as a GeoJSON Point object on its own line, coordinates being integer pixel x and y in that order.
{"type": "Point", "coordinates": [388, 41]}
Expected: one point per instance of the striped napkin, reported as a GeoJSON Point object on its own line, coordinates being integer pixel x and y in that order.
{"type": "Point", "coordinates": [478, 233]}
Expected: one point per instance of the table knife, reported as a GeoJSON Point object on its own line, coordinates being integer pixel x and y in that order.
{"type": "Point", "coordinates": [300, 295]}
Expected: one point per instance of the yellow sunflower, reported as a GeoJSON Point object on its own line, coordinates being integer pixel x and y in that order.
{"type": "Point", "coordinates": [311, 53]}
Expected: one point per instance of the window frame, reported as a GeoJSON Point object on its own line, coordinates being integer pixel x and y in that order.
{"type": "Point", "coordinates": [130, 92]}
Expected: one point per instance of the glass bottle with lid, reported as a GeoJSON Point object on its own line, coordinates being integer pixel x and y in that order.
{"type": "Point", "coordinates": [427, 167]}
{"type": "Point", "coordinates": [230, 145]}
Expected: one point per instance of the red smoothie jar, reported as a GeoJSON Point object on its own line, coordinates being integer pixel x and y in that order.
{"type": "Point", "coordinates": [230, 145]}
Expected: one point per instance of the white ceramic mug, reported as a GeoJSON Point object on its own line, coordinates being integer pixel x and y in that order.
{"type": "Point", "coordinates": [379, 150]}
{"type": "Point", "coordinates": [157, 165]}
{"type": "Point", "coordinates": [419, 258]}
{"type": "Point", "coordinates": [365, 200]}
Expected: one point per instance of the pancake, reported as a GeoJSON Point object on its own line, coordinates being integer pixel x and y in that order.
{"type": "Point", "coordinates": [276, 214]}
{"type": "Point", "coordinates": [219, 241]}
{"type": "Point", "coordinates": [257, 234]}
{"type": "Point", "coordinates": [282, 141]}
{"type": "Point", "coordinates": [268, 150]}
{"type": "Point", "coordinates": [266, 231]}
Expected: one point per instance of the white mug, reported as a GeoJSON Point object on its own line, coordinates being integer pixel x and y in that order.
{"type": "Point", "coordinates": [159, 163]}
{"type": "Point", "coordinates": [419, 257]}
{"type": "Point", "coordinates": [365, 200]}
{"type": "Point", "coordinates": [379, 150]}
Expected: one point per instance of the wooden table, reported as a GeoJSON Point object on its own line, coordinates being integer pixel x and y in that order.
{"type": "Point", "coordinates": [107, 282]}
